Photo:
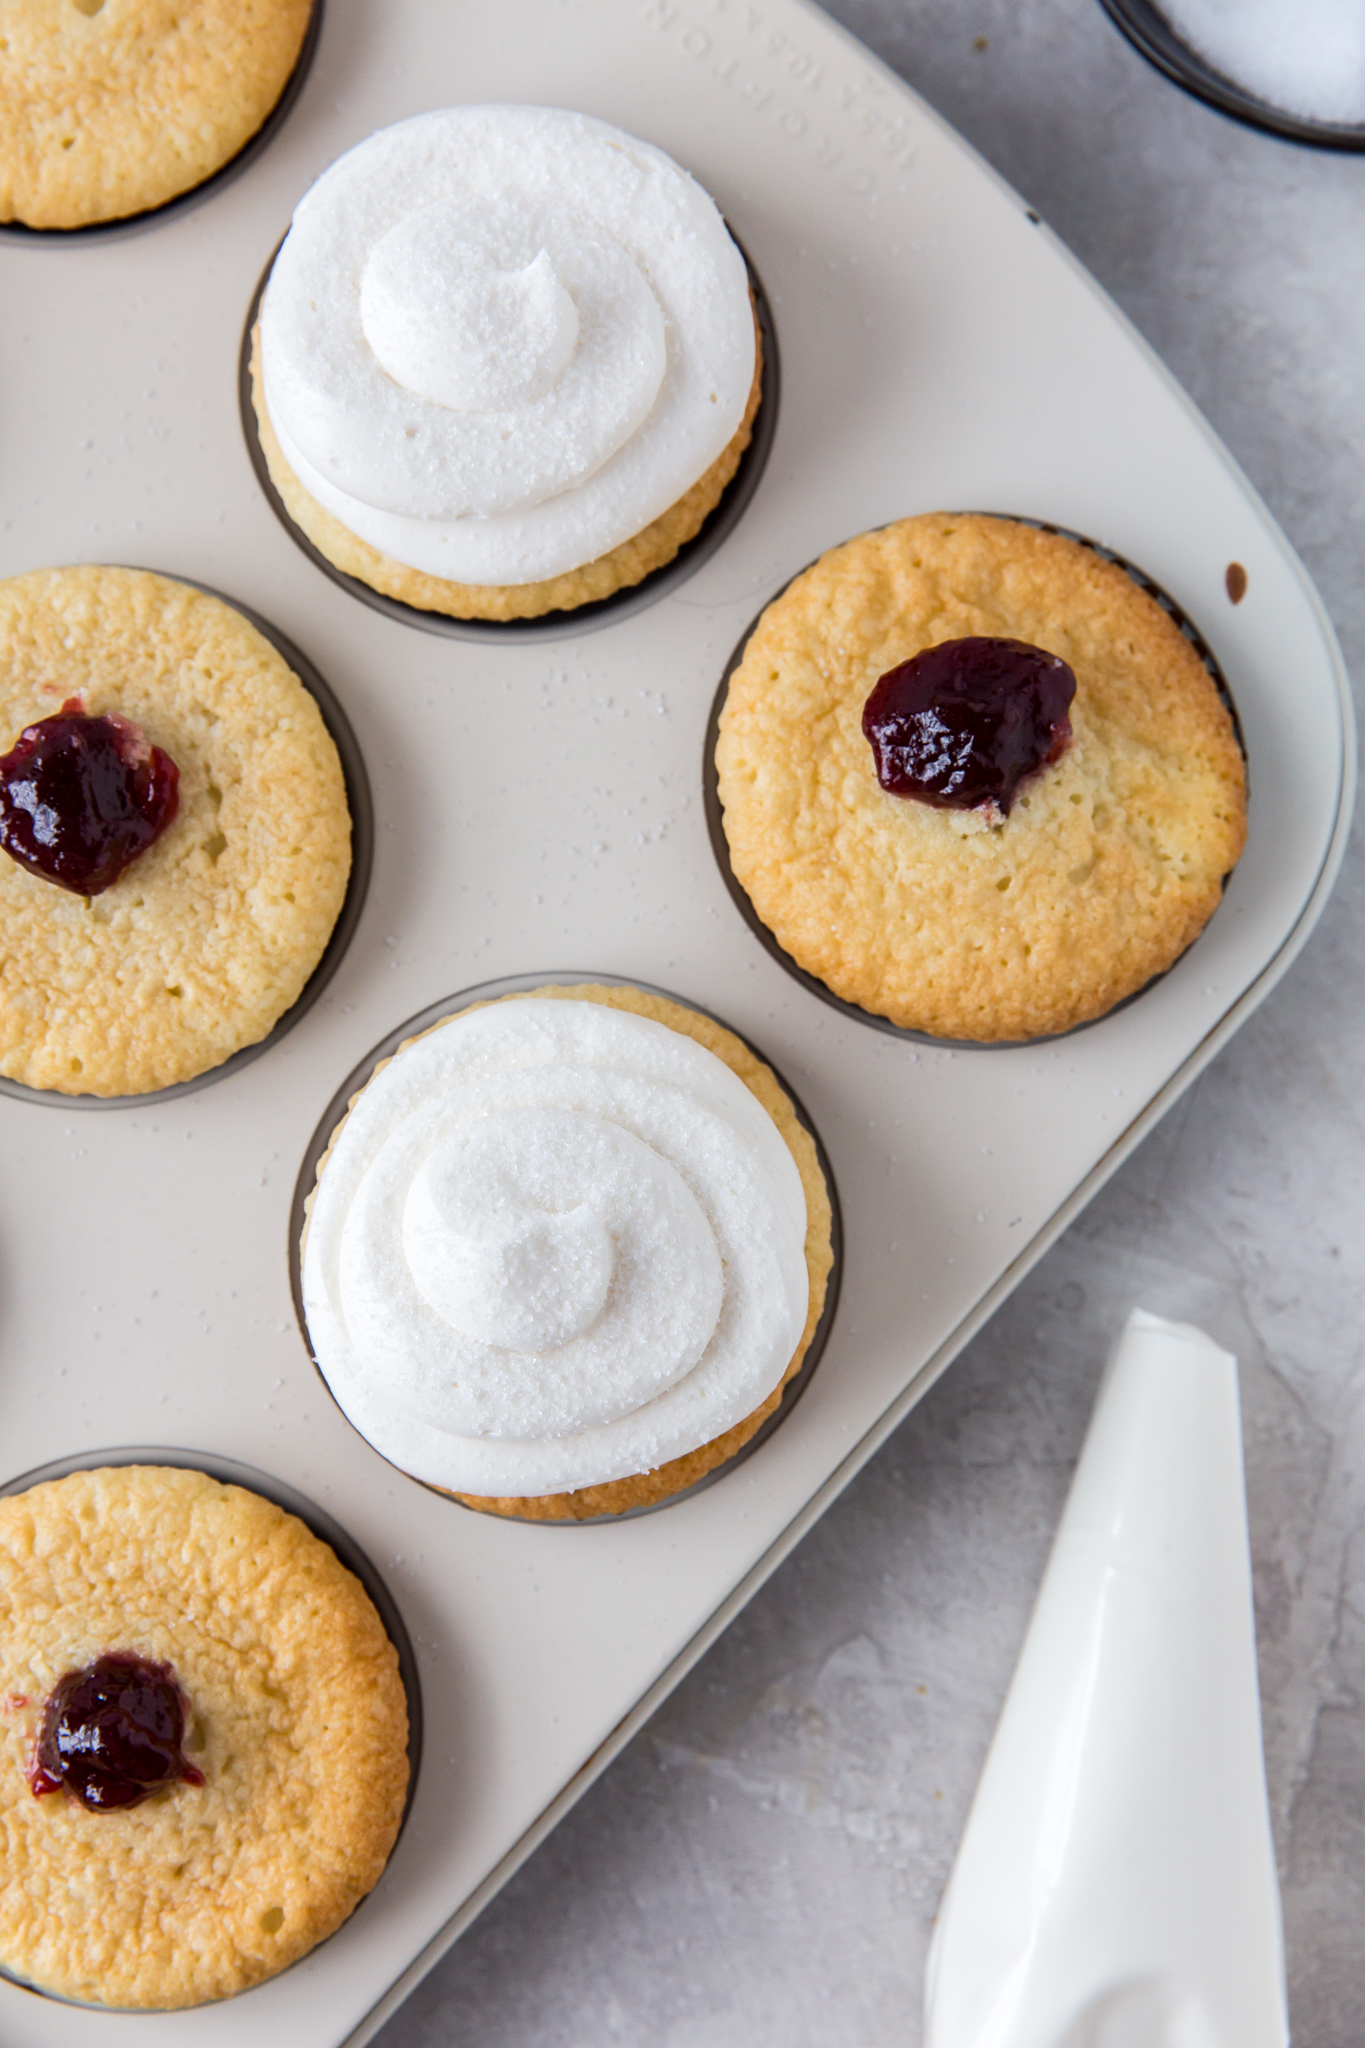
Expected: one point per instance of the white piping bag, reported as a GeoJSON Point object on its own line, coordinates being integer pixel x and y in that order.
{"type": "Point", "coordinates": [1116, 1884]}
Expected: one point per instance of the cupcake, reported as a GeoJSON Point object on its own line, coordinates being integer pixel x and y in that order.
{"type": "Point", "coordinates": [975, 780]}
{"type": "Point", "coordinates": [174, 834]}
{"type": "Point", "coordinates": [203, 1738]}
{"type": "Point", "coordinates": [112, 107]}
{"type": "Point", "coordinates": [565, 1252]}
{"type": "Point", "coordinates": [506, 362]}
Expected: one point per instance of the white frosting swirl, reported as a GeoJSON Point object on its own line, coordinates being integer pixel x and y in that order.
{"type": "Point", "coordinates": [499, 341]}
{"type": "Point", "coordinates": [555, 1244]}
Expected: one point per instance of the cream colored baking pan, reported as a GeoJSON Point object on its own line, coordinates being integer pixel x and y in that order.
{"type": "Point", "coordinates": [538, 802]}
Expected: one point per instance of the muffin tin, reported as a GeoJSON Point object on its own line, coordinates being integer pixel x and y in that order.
{"type": "Point", "coordinates": [540, 800]}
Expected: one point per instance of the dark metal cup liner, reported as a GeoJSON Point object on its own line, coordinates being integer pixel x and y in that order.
{"type": "Point", "coordinates": [230, 1472]}
{"type": "Point", "coordinates": [198, 195]}
{"type": "Point", "coordinates": [720, 846]}
{"type": "Point", "coordinates": [527, 984]}
{"type": "Point", "coordinates": [361, 807]}
{"type": "Point", "coordinates": [1148, 30]}
{"type": "Point", "coordinates": [584, 618]}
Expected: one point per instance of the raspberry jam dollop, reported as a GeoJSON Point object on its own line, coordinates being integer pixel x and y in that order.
{"type": "Point", "coordinates": [112, 1733]}
{"type": "Point", "coordinates": [81, 797]}
{"type": "Point", "coordinates": [963, 724]}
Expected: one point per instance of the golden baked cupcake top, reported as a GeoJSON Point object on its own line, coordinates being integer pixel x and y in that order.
{"type": "Point", "coordinates": [209, 935]}
{"type": "Point", "coordinates": [979, 923]}
{"type": "Point", "coordinates": [112, 107]}
{"type": "Point", "coordinates": [507, 361]}
{"type": "Point", "coordinates": [294, 1735]}
{"type": "Point", "coordinates": [590, 1282]}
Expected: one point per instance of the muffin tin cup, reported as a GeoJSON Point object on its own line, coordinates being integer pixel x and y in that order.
{"type": "Point", "coordinates": [1153, 37]}
{"type": "Point", "coordinates": [230, 1472]}
{"type": "Point", "coordinates": [185, 202]}
{"type": "Point", "coordinates": [361, 806]}
{"type": "Point", "coordinates": [527, 984]}
{"type": "Point", "coordinates": [720, 845]}
{"type": "Point", "coordinates": [585, 618]}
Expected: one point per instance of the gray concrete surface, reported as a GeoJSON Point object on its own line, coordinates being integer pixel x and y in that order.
{"type": "Point", "coordinates": [761, 1868]}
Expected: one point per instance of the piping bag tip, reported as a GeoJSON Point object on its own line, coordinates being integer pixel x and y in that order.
{"type": "Point", "coordinates": [1116, 1884]}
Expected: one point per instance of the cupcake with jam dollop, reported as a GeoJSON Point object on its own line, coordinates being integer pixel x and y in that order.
{"type": "Point", "coordinates": [565, 1252]}
{"type": "Point", "coordinates": [975, 780]}
{"type": "Point", "coordinates": [203, 1738]}
{"type": "Point", "coordinates": [506, 361]}
{"type": "Point", "coordinates": [175, 839]}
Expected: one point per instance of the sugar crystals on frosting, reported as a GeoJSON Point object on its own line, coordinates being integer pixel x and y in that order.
{"type": "Point", "coordinates": [499, 341]}
{"type": "Point", "coordinates": [555, 1244]}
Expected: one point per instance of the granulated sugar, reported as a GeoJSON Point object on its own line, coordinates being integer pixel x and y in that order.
{"type": "Point", "coordinates": [1305, 56]}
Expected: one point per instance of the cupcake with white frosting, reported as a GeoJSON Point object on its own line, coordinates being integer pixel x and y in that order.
{"type": "Point", "coordinates": [566, 1251]}
{"type": "Point", "coordinates": [506, 362]}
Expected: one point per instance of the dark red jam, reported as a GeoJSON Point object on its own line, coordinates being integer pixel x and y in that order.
{"type": "Point", "coordinates": [112, 1733]}
{"type": "Point", "coordinates": [81, 797]}
{"type": "Point", "coordinates": [963, 724]}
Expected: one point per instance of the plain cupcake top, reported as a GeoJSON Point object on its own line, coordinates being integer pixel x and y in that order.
{"type": "Point", "coordinates": [111, 107]}
{"type": "Point", "coordinates": [500, 340]}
